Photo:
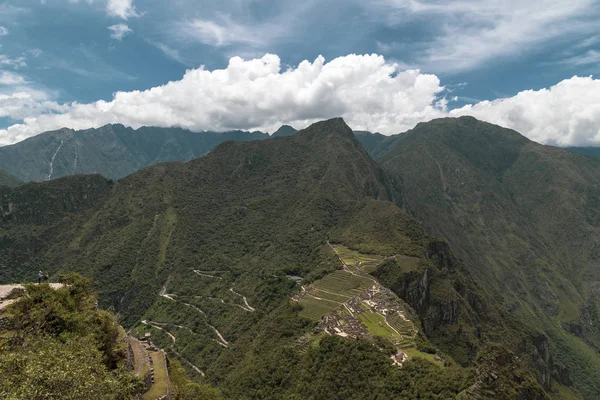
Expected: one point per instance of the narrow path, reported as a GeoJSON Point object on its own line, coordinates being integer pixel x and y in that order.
{"type": "Point", "coordinates": [202, 273]}
{"type": "Point", "coordinates": [198, 370]}
{"type": "Point", "coordinates": [322, 299]}
{"type": "Point", "coordinates": [225, 342]}
{"type": "Point", "coordinates": [163, 293]}
{"type": "Point", "coordinates": [174, 339]}
{"type": "Point", "coordinates": [155, 326]}
{"type": "Point", "coordinates": [52, 160]}
{"type": "Point", "coordinates": [248, 307]}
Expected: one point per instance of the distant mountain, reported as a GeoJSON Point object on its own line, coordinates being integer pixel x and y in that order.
{"type": "Point", "coordinates": [374, 143]}
{"type": "Point", "coordinates": [524, 218]}
{"type": "Point", "coordinates": [285, 130]}
{"type": "Point", "coordinates": [206, 257]}
{"type": "Point", "coordinates": [7, 180]}
{"type": "Point", "coordinates": [588, 151]}
{"type": "Point", "coordinates": [113, 151]}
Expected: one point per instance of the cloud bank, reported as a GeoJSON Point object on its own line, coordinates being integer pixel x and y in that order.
{"type": "Point", "coordinates": [366, 90]}
{"type": "Point", "coordinates": [565, 114]}
{"type": "Point", "coordinates": [259, 94]}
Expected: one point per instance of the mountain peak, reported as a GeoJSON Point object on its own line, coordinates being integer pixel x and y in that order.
{"type": "Point", "coordinates": [285, 130]}
{"type": "Point", "coordinates": [336, 126]}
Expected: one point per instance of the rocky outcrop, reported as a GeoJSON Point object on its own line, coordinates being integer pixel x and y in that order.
{"type": "Point", "coordinates": [499, 375]}
{"type": "Point", "coordinates": [439, 253]}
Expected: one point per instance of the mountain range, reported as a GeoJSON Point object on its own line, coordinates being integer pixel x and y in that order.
{"type": "Point", "coordinates": [115, 151]}
{"type": "Point", "coordinates": [488, 241]}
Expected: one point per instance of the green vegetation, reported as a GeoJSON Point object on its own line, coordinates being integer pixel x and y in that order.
{"type": "Point", "coordinates": [185, 389]}
{"type": "Point", "coordinates": [160, 387]}
{"type": "Point", "coordinates": [60, 346]}
{"type": "Point", "coordinates": [201, 252]}
{"type": "Point", "coordinates": [523, 217]}
{"type": "Point", "coordinates": [8, 180]}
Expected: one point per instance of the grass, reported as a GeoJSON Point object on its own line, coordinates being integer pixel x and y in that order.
{"type": "Point", "coordinates": [331, 296]}
{"type": "Point", "coordinates": [161, 378]}
{"type": "Point", "coordinates": [412, 352]}
{"type": "Point", "coordinates": [343, 283]}
{"type": "Point", "coordinates": [315, 309]}
{"type": "Point", "coordinates": [368, 262]}
{"type": "Point", "coordinates": [375, 324]}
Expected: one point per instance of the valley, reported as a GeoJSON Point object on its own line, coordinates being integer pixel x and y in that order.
{"type": "Point", "coordinates": [284, 268]}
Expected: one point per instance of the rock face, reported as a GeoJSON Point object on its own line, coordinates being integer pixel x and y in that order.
{"type": "Point", "coordinates": [524, 219]}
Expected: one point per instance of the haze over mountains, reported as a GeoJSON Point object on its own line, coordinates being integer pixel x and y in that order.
{"type": "Point", "coordinates": [115, 151]}
{"type": "Point", "coordinates": [502, 276]}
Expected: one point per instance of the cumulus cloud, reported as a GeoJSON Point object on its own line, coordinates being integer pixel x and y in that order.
{"type": "Point", "coordinates": [258, 94]}
{"type": "Point", "coordinates": [366, 90]}
{"type": "Point", "coordinates": [121, 8]}
{"type": "Point", "coordinates": [565, 114]}
{"type": "Point", "coordinates": [3, 31]}
{"type": "Point", "coordinates": [119, 31]}
{"type": "Point", "coordinates": [27, 103]}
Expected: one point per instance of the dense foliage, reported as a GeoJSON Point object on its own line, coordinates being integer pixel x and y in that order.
{"type": "Point", "coordinates": [524, 219]}
{"type": "Point", "coordinates": [60, 346]}
{"type": "Point", "coordinates": [202, 252]}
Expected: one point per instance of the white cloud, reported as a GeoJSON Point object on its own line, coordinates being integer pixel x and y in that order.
{"type": "Point", "coordinates": [566, 114]}
{"type": "Point", "coordinates": [10, 78]}
{"type": "Point", "coordinates": [368, 92]}
{"type": "Point", "coordinates": [590, 57]}
{"type": "Point", "coordinates": [27, 103]}
{"type": "Point", "coordinates": [3, 31]}
{"type": "Point", "coordinates": [121, 8]}
{"type": "Point", "coordinates": [224, 32]}
{"type": "Point", "coordinates": [473, 32]}
{"type": "Point", "coordinates": [119, 31]}
{"type": "Point", "coordinates": [258, 94]}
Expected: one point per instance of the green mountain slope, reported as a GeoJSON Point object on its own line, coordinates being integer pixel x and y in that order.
{"type": "Point", "coordinates": [523, 217]}
{"type": "Point", "coordinates": [205, 256]}
{"type": "Point", "coordinates": [113, 151]}
{"type": "Point", "coordinates": [8, 180]}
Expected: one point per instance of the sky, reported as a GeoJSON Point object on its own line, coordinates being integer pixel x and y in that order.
{"type": "Point", "coordinates": [382, 65]}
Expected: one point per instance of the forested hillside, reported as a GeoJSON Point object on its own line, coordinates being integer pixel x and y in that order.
{"type": "Point", "coordinates": [207, 255]}
{"type": "Point", "coordinates": [525, 220]}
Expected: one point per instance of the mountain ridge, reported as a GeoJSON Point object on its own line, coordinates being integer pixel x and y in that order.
{"type": "Point", "coordinates": [187, 240]}
{"type": "Point", "coordinates": [523, 218]}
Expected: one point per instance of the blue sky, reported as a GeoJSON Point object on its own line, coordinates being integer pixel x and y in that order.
{"type": "Point", "coordinates": [57, 52]}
